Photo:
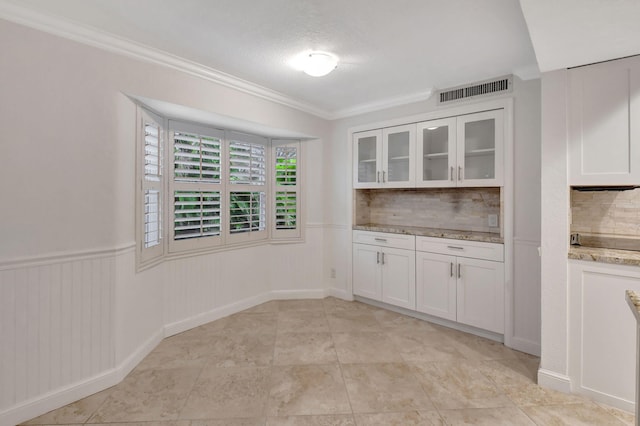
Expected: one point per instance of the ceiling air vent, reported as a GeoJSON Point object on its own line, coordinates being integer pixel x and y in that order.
{"type": "Point", "coordinates": [482, 88]}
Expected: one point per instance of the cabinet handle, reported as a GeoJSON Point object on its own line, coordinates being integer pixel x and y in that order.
{"type": "Point", "coordinates": [451, 173]}
{"type": "Point", "coordinates": [459, 172]}
{"type": "Point", "coordinates": [377, 257]}
{"type": "Point", "coordinates": [382, 240]}
{"type": "Point", "coordinates": [459, 274]}
{"type": "Point", "coordinates": [383, 258]}
{"type": "Point", "coordinates": [455, 248]}
{"type": "Point", "coordinates": [451, 270]}
{"type": "Point", "coordinates": [383, 172]}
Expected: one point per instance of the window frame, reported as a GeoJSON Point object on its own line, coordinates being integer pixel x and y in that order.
{"type": "Point", "coordinates": [251, 236]}
{"type": "Point", "coordinates": [286, 234]}
{"type": "Point", "coordinates": [149, 255]}
{"type": "Point", "coordinates": [169, 247]}
{"type": "Point", "coordinates": [199, 243]}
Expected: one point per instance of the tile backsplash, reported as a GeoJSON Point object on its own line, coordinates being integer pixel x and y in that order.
{"type": "Point", "coordinates": [611, 213]}
{"type": "Point", "coordinates": [463, 209]}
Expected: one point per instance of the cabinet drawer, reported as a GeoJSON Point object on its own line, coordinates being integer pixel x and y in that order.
{"type": "Point", "coordinates": [384, 239]}
{"type": "Point", "coordinates": [461, 248]}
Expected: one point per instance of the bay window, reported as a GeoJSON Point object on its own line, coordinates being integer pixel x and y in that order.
{"type": "Point", "coordinates": [222, 188]}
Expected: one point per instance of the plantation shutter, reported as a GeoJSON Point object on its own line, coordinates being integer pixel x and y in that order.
{"type": "Point", "coordinates": [151, 181]}
{"type": "Point", "coordinates": [286, 189]}
{"type": "Point", "coordinates": [247, 187]}
{"type": "Point", "coordinates": [195, 186]}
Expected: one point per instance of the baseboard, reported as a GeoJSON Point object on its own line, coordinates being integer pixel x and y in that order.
{"type": "Point", "coordinates": [130, 362]}
{"type": "Point", "coordinates": [58, 398]}
{"type": "Point", "coordinates": [66, 395]}
{"type": "Point", "coordinates": [552, 380]}
{"type": "Point", "coordinates": [232, 308]}
{"type": "Point", "coordinates": [524, 345]}
{"type": "Point", "coordinates": [71, 393]}
{"type": "Point", "coordinates": [339, 293]}
{"type": "Point", "coordinates": [298, 294]}
{"type": "Point", "coordinates": [215, 314]}
{"type": "Point", "coordinates": [435, 320]}
{"type": "Point", "coordinates": [610, 400]}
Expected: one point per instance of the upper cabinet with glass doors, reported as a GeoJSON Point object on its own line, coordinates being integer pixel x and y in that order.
{"type": "Point", "coordinates": [385, 158]}
{"type": "Point", "coordinates": [461, 151]}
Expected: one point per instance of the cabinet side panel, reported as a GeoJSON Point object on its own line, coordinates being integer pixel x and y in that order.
{"type": "Point", "coordinates": [608, 349]}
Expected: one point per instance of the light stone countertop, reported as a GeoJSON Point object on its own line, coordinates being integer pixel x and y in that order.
{"type": "Point", "coordinates": [633, 299]}
{"type": "Point", "coordinates": [486, 237]}
{"type": "Point", "coordinates": [605, 255]}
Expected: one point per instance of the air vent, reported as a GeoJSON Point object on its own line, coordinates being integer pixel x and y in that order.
{"type": "Point", "coordinates": [475, 90]}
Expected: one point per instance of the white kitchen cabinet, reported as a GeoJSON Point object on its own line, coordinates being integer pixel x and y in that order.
{"type": "Point", "coordinates": [385, 158]}
{"type": "Point", "coordinates": [462, 151]}
{"type": "Point", "coordinates": [604, 123]}
{"type": "Point", "coordinates": [382, 271]}
{"type": "Point", "coordinates": [436, 161]}
{"type": "Point", "coordinates": [480, 293]}
{"type": "Point", "coordinates": [367, 157]}
{"type": "Point", "coordinates": [436, 285]}
{"type": "Point", "coordinates": [469, 290]}
{"type": "Point", "coordinates": [602, 332]}
{"type": "Point", "coordinates": [480, 150]}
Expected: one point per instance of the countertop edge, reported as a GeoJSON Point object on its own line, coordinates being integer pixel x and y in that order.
{"type": "Point", "coordinates": [603, 255]}
{"type": "Point", "coordinates": [433, 232]}
{"type": "Point", "coordinates": [633, 299]}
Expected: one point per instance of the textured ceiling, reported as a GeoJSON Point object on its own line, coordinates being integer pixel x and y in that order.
{"type": "Point", "coordinates": [388, 50]}
{"type": "Point", "coordinates": [391, 51]}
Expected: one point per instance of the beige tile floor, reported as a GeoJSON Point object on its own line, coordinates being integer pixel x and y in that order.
{"type": "Point", "coordinates": [330, 362]}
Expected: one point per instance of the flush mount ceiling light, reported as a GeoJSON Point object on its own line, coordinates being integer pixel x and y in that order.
{"type": "Point", "coordinates": [316, 64]}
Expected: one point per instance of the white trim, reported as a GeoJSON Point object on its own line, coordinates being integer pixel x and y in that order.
{"type": "Point", "coordinates": [214, 314]}
{"type": "Point", "coordinates": [470, 107]}
{"type": "Point", "coordinates": [526, 346]}
{"type": "Point", "coordinates": [608, 399]}
{"type": "Point", "coordinates": [340, 293]}
{"type": "Point", "coordinates": [298, 294]}
{"type": "Point", "coordinates": [66, 256]}
{"type": "Point", "coordinates": [71, 393]}
{"type": "Point", "coordinates": [432, 319]}
{"type": "Point", "coordinates": [380, 105]}
{"type": "Point", "coordinates": [336, 226]}
{"type": "Point", "coordinates": [555, 381]}
{"type": "Point", "coordinates": [57, 398]}
{"type": "Point", "coordinates": [95, 37]}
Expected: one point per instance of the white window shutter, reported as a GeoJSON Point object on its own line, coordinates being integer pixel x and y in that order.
{"type": "Point", "coordinates": [286, 190]}
{"type": "Point", "coordinates": [195, 186]}
{"type": "Point", "coordinates": [150, 196]}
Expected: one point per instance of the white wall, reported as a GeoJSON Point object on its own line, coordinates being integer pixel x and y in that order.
{"type": "Point", "coordinates": [76, 317]}
{"type": "Point", "coordinates": [555, 232]}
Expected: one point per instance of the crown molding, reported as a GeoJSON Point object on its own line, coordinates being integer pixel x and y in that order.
{"type": "Point", "coordinates": [380, 105]}
{"type": "Point", "coordinates": [91, 36]}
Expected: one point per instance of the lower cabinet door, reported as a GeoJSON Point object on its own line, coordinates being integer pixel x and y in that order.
{"type": "Point", "coordinates": [398, 277]}
{"type": "Point", "coordinates": [366, 271]}
{"type": "Point", "coordinates": [480, 294]}
{"type": "Point", "coordinates": [436, 285]}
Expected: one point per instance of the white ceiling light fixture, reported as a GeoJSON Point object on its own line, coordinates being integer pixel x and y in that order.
{"type": "Point", "coordinates": [316, 63]}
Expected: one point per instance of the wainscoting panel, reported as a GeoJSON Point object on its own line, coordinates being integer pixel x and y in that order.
{"type": "Point", "coordinates": [56, 325]}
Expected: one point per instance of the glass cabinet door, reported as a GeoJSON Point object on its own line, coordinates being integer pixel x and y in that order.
{"type": "Point", "coordinates": [398, 164]}
{"type": "Point", "coordinates": [436, 153]}
{"type": "Point", "coordinates": [367, 154]}
{"type": "Point", "coordinates": [480, 149]}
